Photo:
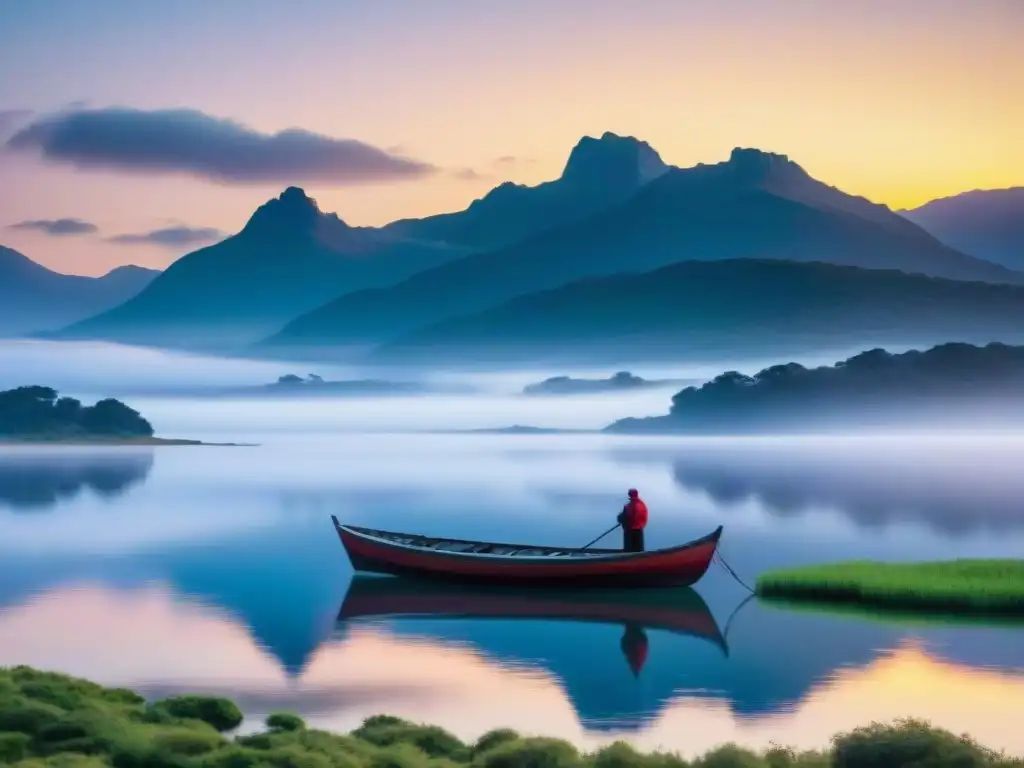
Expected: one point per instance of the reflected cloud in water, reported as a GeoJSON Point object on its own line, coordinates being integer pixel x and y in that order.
{"type": "Point", "coordinates": [226, 577]}
{"type": "Point", "coordinates": [41, 478]}
{"type": "Point", "coordinates": [552, 666]}
{"type": "Point", "coordinates": [951, 485]}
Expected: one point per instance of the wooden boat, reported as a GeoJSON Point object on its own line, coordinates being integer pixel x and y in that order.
{"type": "Point", "coordinates": [403, 554]}
{"type": "Point", "coordinates": [679, 610]}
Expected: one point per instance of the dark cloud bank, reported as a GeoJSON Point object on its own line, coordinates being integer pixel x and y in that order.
{"type": "Point", "coordinates": [170, 237]}
{"type": "Point", "coordinates": [57, 227]}
{"type": "Point", "coordinates": [180, 236]}
{"type": "Point", "coordinates": [190, 142]}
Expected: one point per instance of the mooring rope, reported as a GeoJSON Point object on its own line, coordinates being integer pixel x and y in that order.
{"type": "Point", "coordinates": [728, 622]}
{"type": "Point", "coordinates": [728, 568]}
{"type": "Point", "coordinates": [741, 582]}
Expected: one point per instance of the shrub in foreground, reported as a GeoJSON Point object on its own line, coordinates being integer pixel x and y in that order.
{"type": "Point", "coordinates": [222, 714]}
{"type": "Point", "coordinates": [285, 721]}
{"type": "Point", "coordinates": [53, 721]}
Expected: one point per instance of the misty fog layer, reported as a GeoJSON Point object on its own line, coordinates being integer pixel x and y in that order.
{"type": "Point", "coordinates": [174, 391]}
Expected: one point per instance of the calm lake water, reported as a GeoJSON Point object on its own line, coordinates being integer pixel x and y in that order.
{"type": "Point", "coordinates": [217, 570]}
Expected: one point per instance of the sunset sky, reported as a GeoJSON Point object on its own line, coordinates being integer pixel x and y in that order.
{"type": "Point", "coordinates": [901, 101]}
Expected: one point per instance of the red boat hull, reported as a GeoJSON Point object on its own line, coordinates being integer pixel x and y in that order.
{"type": "Point", "coordinates": [677, 566]}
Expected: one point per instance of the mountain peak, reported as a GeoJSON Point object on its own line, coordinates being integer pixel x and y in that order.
{"type": "Point", "coordinates": [297, 196]}
{"type": "Point", "coordinates": [291, 213]}
{"type": "Point", "coordinates": [613, 159]}
{"type": "Point", "coordinates": [15, 261]}
{"type": "Point", "coordinates": [755, 164]}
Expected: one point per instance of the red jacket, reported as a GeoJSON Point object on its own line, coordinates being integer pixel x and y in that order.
{"type": "Point", "coordinates": [636, 514]}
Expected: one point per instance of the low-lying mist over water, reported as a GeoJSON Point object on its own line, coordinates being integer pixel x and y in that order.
{"type": "Point", "coordinates": [142, 369]}
{"type": "Point", "coordinates": [183, 395]}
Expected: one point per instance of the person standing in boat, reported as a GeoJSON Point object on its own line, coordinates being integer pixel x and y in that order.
{"type": "Point", "coordinates": [633, 520]}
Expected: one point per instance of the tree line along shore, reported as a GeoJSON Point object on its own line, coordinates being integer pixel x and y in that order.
{"type": "Point", "coordinates": [38, 415]}
{"type": "Point", "coordinates": [53, 720]}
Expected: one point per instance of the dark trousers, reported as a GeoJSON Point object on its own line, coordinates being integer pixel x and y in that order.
{"type": "Point", "coordinates": [633, 539]}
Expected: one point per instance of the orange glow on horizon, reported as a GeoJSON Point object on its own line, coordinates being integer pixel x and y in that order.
{"type": "Point", "coordinates": [898, 102]}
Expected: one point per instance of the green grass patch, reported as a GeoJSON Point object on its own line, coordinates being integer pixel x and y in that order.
{"type": "Point", "coordinates": [959, 587]}
{"type": "Point", "coordinates": [52, 721]}
{"type": "Point", "coordinates": [929, 618]}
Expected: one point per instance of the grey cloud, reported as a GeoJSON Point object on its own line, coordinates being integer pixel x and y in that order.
{"type": "Point", "coordinates": [506, 160]}
{"type": "Point", "coordinates": [57, 227]}
{"type": "Point", "coordinates": [170, 237]}
{"type": "Point", "coordinates": [9, 118]}
{"type": "Point", "coordinates": [467, 174]}
{"type": "Point", "coordinates": [183, 141]}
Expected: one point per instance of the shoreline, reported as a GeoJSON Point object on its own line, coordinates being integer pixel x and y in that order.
{"type": "Point", "coordinates": [150, 442]}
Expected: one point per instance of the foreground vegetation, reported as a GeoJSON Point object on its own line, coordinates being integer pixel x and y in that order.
{"type": "Point", "coordinates": [38, 413]}
{"type": "Point", "coordinates": [50, 720]}
{"type": "Point", "coordinates": [955, 586]}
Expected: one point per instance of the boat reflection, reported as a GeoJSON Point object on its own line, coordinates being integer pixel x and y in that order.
{"type": "Point", "coordinates": [567, 633]}
{"type": "Point", "coordinates": [679, 610]}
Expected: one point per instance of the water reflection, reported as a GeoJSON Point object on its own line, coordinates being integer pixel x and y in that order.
{"type": "Point", "coordinates": [40, 479]}
{"type": "Point", "coordinates": [952, 488]}
{"type": "Point", "coordinates": [682, 611]}
{"type": "Point", "coordinates": [589, 668]}
{"type": "Point", "coordinates": [225, 576]}
{"type": "Point", "coordinates": [541, 623]}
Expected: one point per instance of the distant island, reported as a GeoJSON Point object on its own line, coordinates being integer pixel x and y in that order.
{"type": "Point", "coordinates": [313, 385]}
{"type": "Point", "coordinates": [621, 381]}
{"type": "Point", "coordinates": [37, 414]}
{"type": "Point", "coordinates": [948, 386]}
{"type": "Point", "coordinates": [521, 429]}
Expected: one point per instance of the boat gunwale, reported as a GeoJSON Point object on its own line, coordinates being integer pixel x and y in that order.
{"type": "Point", "coordinates": [599, 555]}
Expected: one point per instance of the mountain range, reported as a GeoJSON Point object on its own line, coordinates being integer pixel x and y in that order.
{"type": "Point", "coordinates": [296, 279]}
{"type": "Point", "coordinates": [289, 258]}
{"type": "Point", "coordinates": [755, 205]}
{"type": "Point", "coordinates": [599, 174]}
{"type": "Point", "coordinates": [986, 223]}
{"type": "Point", "coordinates": [34, 298]}
{"type": "Point", "coordinates": [693, 309]}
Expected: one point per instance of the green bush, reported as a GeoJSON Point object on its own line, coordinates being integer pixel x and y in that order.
{"type": "Point", "coordinates": [783, 757]}
{"type": "Point", "coordinates": [429, 739]}
{"type": "Point", "coordinates": [493, 739]}
{"type": "Point", "coordinates": [531, 753]}
{"type": "Point", "coordinates": [398, 756]}
{"type": "Point", "coordinates": [222, 714]}
{"type": "Point", "coordinates": [623, 755]}
{"type": "Point", "coordinates": [285, 721]}
{"type": "Point", "coordinates": [25, 716]}
{"type": "Point", "coordinates": [619, 755]}
{"type": "Point", "coordinates": [729, 756]}
{"type": "Point", "coordinates": [907, 743]}
{"type": "Point", "coordinates": [187, 741]}
{"type": "Point", "coordinates": [14, 747]}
